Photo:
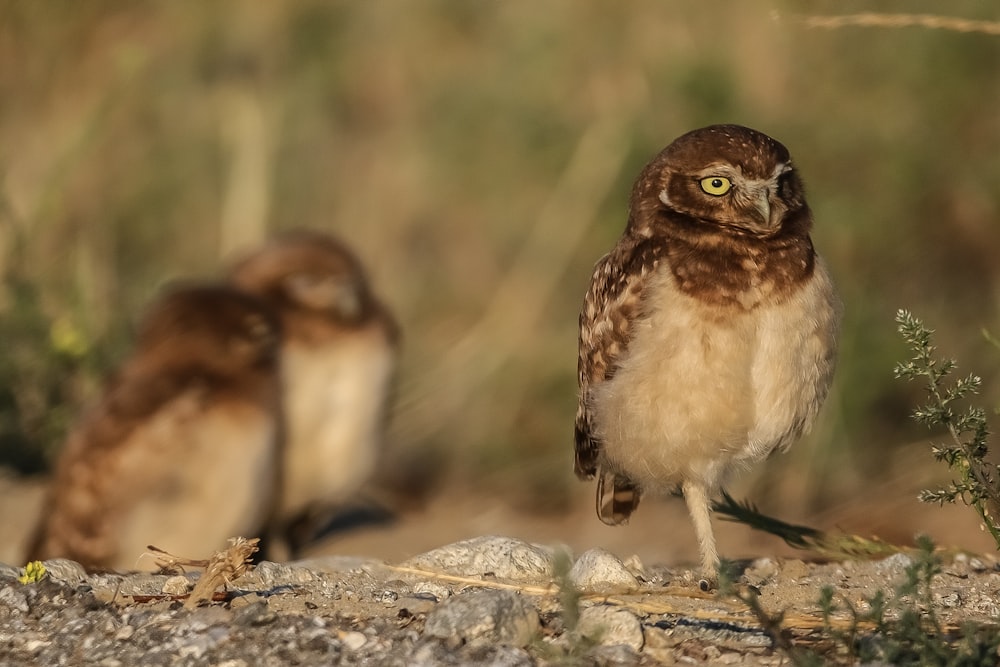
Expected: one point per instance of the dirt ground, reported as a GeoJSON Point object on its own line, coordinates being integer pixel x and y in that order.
{"type": "Point", "coordinates": [659, 533]}
{"type": "Point", "coordinates": [360, 597]}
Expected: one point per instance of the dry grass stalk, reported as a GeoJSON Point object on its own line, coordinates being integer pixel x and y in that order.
{"type": "Point", "coordinates": [222, 568]}
{"type": "Point", "coordinates": [878, 20]}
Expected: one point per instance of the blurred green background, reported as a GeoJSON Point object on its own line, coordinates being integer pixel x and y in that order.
{"type": "Point", "coordinates": [478, 155]}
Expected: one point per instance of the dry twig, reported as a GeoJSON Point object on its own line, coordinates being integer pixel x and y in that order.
{"type": "Point", "coordinates": [879, 20]}
{"type": "Point", "coordinates": [222, 568]}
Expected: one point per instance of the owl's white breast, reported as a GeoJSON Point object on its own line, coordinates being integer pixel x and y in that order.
{"type": "Point", "coordinates": [704, 387]}
{"type": "Point", "coordinates": [195, 475]}
{"type": "Point", "coordinates": [334, 404]}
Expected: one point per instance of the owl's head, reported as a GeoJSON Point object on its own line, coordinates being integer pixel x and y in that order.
{"type": "Point", "coordinates": [307, 272]}
{"type": "Point", "coordinates": [727, 176]}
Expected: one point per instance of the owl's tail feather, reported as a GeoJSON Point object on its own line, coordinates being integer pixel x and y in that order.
{"type": "Point", "coordinates": [617, 498]}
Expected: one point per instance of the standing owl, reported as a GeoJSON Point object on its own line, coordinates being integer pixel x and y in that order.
{"type": "Point", "coordinates": [181, 451]}
{"type": "Point", "coordinates": [338, 359]}
{"type": "Point", "coordinates": [708, 334]}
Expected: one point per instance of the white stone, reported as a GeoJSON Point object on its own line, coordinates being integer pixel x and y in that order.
{"type": "Point", "coordinates": [176, 585]}
{"type": "Point", "coordinates": [600, 571]}
{"type": "Point", "coordinates": [14, 599]}
{"type": "Point", "coordinates": [610, 626]}
{"type": "Point", "coordinates": [431, 588]}
{"type": "Point", "coordinates": [484, 617]}
{"type": "Point", "coordinates": [353, 640]}
{"type": "Point", "coordinates": [502, 557]}
{"type": "Point", "coordinates": [65, 570]}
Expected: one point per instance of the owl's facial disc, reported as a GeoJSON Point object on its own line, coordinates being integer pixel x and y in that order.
{"type": "Point", "coordinates": [333, 294]}
{"type": "Point", "coordinates": [750, 202]}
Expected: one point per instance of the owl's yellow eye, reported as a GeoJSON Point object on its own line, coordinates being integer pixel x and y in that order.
{"type": "Point", "coordinates": [716, 185]}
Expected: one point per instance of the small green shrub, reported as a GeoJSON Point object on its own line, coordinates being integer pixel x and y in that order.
{"type": "Point", "coordinates": [966, 453]}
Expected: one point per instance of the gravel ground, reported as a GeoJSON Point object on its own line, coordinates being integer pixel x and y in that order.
{"type": "Point", "coordinates": [489, 600]}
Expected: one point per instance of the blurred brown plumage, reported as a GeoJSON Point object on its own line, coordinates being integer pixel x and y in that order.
{"type": "Point", "coordinates": [708, 334]}
{"type": "Point", "coordinates": [181, 450]}
{"type": "Point", "coordinates": [338, 360]}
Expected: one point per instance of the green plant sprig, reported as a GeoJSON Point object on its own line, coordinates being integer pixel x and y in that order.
{"type": "Point", "coordinates": [966, 454]}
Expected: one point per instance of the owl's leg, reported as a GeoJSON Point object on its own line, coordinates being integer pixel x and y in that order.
{"type": "Point", "coordinates": [696, 497]}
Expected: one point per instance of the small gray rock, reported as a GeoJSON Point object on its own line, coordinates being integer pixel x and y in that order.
{"type": "Point", "coordinates": [65, 571]}
{"type": "Point", "coordinates": [610, 626]}
{"type": "Point", "coordinates": [894, 564]}
{"type": "Point", "coordinates": [485, 617]}
{"type": "Point", "coordinates": [416, 605]}
{"type": "Point", "coordinates": [14, 599]}
{"type": "Point", "coordinates": [338, 564]}
{"type": "Point", "coordinates": [426, 588]}
{"type": "Point", "coordinates": [503, 557]}
{"type": "Point", "coordinates": [619, 654]}
{"type": "Point", "coordinates": [600, 571]}
{"type": "Point", "coordinates": [269, 575]}
{"type": "Point", "coordinates": [353, 641]}
{"type": "Point", "coordinates": [176, 585]}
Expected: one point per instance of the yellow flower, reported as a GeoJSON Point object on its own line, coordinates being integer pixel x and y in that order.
{"type": "Point", "coordinates": [67, 338]}
{"type": "Point", "coordinates": [33, 571]}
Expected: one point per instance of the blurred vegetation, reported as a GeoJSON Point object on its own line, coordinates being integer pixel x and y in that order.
{"type": "Point", "coordinates": [479, 156]}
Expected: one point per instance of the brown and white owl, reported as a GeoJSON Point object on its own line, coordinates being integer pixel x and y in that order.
{"type": "Point", "coordinates": [338, 354]}
{"type": "Point", "coordinates": [181, 451]}
{"type": "Point", "coordinates": [708, 334]}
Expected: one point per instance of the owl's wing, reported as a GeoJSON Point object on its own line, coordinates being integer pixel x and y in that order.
{"type": "Point", "coordinates": [612, 305]}
{"type": "Point", "coordinates": [186, 473]}
{"type": "Point", "coordinates": [77, 521]}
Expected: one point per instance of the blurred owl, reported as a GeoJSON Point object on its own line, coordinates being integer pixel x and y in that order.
{"type": "Point", "coordinates": [708, 334]}
{"type": "Point", "coordinates": [181, 451]}
{"type": "Point", "coordinates": [338, 359]}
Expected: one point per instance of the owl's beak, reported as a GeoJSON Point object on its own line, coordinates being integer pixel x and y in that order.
{"type": "Point", "coordinates": [769, 207]}
{"type": "Point", "coordinates": [763, 205]}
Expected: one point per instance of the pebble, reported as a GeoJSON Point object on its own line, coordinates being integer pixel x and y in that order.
{"type": "Point", "coordinates": [484, 617]}
{"type": "Point", "coordinates": [353, 641]}
{"type": "Point", "coordinates": [610, 626]}
{"type": "Point", "coordinates": [502, 557]}
{"type": "Point", "coordinates": [177, 585]}
{"type": "Point", "coordinates": [431, 588]}
{"type": "Point", "coordinates": [417, 605]}
{"type": "Point", "coordinates": [14, 599]}
{"type": "Point", "coordinates": [894, 564]}
{"type": "Point", "coordinates": [339, 564]}
{"type": "Point", "coordinates": [66, 571]}
{"type": "Point", "coordinates": [600, 571]}
{"type": "Point", "coordinates": [270, 574]}
{"type": "Point", "coordinates": [634, 565]}
{"type": "Point", "coordinates": [761, 571]}
{"type": "Point", "coordinates": [256, 614]}
{"type": "Point", "coordinates": [614, 655]}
